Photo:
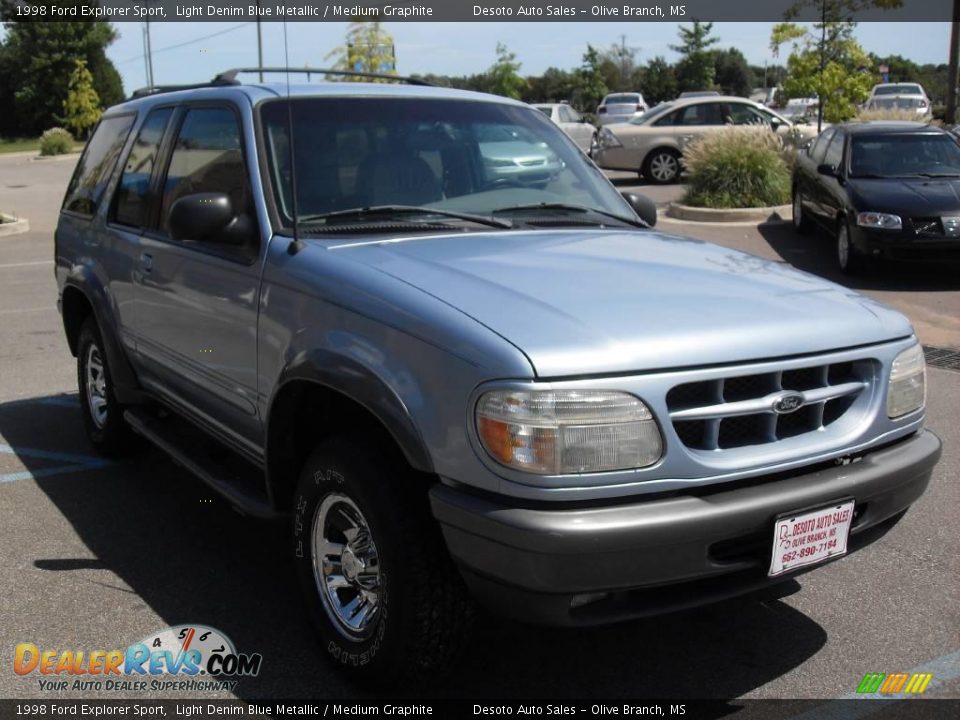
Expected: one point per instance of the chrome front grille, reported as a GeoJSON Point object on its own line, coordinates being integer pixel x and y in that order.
{"type": "Point", "coordinates": [758, 409]}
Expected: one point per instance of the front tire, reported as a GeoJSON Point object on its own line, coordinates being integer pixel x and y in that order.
{"type": "Point", "coordinates": [102, 414]}
{"type": "Point", "coordinates": [381, 591]}
{"type": "Point", "coordinates": [662, 167]}
{"type": "Point", "coordinates": [801, 223]}
{"type": "Point", "coordinates": [849, 260]}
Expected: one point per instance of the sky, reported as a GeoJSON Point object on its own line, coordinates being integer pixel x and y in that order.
{"type": "Point", "coordinates": [461, 48]}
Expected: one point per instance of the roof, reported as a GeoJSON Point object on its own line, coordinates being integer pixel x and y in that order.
{"type": "Point", "coordinates": [889, 126]}
{"type": "Point", "coordinates": [255, 93]}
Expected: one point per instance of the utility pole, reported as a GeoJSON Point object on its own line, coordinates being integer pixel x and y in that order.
{"type": "Point", "coordinates": [147, 54]}
{"type": "Point", "coordinates": [952, 73]}
{"type": "Point", "coordinates": [259, 43]}
{"type": "Point", "coordinates": [823, 63]}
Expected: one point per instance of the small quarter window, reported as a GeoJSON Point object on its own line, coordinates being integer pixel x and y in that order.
{"type": "Point", "coordinates": [93, 172]}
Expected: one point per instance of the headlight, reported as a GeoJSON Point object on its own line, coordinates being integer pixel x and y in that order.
{"type": "Point", "coordinates": [907, 390]}
{"type": "Point", "coordinates": [879, 221]}
{"type": "Point", "coordinates": [607, 139]}
{"type": "Point", "coordinates": [570, 431]}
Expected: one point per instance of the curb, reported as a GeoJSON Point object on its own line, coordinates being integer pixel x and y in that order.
{"type": "Point", "coordinates": [62, 156]}
{"type": "Point", "coordinates": [753, 216]}
{"type": "Point", "coordinates": [13, 226]}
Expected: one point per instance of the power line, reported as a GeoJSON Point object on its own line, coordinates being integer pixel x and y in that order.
{"type": "Point", "coordinates": [189, 42]}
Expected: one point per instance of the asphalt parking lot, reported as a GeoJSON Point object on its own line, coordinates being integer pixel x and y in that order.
{"type": "Point", "coordinates": [97, 555]}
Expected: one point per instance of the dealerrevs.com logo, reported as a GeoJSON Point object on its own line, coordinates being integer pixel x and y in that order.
{"type": "Point", "coordinates": [183, 657]}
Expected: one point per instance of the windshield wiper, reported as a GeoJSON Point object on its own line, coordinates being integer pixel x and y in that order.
{"type": "Point", "coordinates": [938, 175]}
{"type": "Point", "coordinates": [379, 210]}
{"type": "Point", "coordinates": [571, 208]}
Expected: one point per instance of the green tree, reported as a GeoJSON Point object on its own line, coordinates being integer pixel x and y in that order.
{"type": "Point", "coordinates": [367, 48]}
{"type": "Point", "coordinates": [36, 62]}
{"type": "Point", "coordinates": [826, 61]}
{"type": "Point", "coordinates": [81, 109]}
{"type": "Point", "coordinates": [828, 64]}
{"type": "Point", "coordinates": [695, 69]}
{"type": "Point", "coordinates": [732, 73]}
{"type": "Point", "coordinates": [660, 81]}
{"type": "Point", "coordinates": [618, 64]}
{"type": "Point", "coordinates": [589, 84]}
{"type": "Point", "coordinates": [505, 78]}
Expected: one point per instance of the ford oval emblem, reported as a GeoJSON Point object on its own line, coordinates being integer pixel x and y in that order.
{"type": "Point", "coordinates": [788, 403]}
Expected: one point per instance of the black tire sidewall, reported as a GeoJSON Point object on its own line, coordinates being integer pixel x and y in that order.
{"type": "Point", "coordinates": [334, 468]}
{"type": "Point", "coordinates": [114, 437]}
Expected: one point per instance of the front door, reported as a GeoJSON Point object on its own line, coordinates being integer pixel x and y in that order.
{"type": "Point", "coordinates": [198, 299]}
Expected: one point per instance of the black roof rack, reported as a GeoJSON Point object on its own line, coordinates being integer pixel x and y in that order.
{"type": "Point", "coordinates": [229, 77]}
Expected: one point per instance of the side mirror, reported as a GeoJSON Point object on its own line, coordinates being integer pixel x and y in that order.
{"type": "Point", "coordinates": [643, 206]}
{"type": "Point", "coordinates": [775, 124]}
{"type": "Point", "coordinates": [203, 217]}
{"type": "Point", "coordinates": [827, 169]}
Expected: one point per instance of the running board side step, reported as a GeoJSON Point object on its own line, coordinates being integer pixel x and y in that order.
{"type": "Point", "coordinates": [236, 480]}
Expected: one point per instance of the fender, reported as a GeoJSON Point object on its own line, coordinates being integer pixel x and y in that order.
{"type": "Point", "coordinates": [359, 384]}
{"type": "Point", "coordinates": [125, 384]}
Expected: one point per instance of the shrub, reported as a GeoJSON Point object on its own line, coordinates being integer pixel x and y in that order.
{"type": "Point", "coordinates": [738, 166]}
{"type": "Point", "coordinates": [56, 141]}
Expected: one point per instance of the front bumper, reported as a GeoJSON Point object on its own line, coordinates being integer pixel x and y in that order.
{"type": "Point", "coordinates": [905, 246]}
{"type": "Point", "coordinates": [661, 554]}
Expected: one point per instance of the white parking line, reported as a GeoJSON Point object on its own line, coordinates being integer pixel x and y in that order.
{"type": "Point", "coordinates": [26, 264]}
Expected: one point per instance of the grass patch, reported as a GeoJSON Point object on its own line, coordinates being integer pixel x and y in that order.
{"type": "Point", "coordinates": [738, 167]}
{"type": "Point", "coordinates": [12, 145]}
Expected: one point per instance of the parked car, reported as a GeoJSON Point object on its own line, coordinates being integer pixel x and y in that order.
{"type": "Point", "coordinates": [882, 189]}
{"type": "Point", "coordinates": [571, 122]}
{"type": "Point", "coordinates": [514, 156]}
{"type": "Point", "coordinates": [697, 94]}
{"type": "Point", "coordinates": [620, 107]}
{"type": "Point", "coordinates": [454, 386]}
{"type": "Point", "coordinates": [800, 111]}
{"type": "Point", "coordinates": [900, 96]}
{"type": "Point", "coordinates": [653, 144]}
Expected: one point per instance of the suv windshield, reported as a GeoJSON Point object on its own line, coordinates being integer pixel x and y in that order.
{"type": "Point", "coordinates": [452, 155]}
{"type": "Point", "coordinates": [904, 155]}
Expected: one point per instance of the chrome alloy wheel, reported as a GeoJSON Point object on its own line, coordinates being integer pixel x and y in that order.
{"type": "Point", "coordinates": [664, 167]}
{"type": "Point", "coordinates": [346, 566]}
{"type": "Point", "coordinates": [96, 386]}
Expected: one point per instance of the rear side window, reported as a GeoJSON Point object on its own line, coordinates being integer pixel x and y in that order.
{"type": "Point", "coordinates": [207, 157]}
{"type": "Point", "coordinates": [90, 179]}
{"type": "Point", "coordinates": [135, 181]}
{"type": "Point", "coordinates": [700, 114]}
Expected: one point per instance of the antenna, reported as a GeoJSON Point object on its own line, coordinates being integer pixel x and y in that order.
{"type": "Point", "coordinates": [294, 247]}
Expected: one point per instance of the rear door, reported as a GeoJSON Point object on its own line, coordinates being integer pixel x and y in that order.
{"type": "Point", "coordinates": [693, 121]}
{"type": "Point", "coordinates": [197, 301]}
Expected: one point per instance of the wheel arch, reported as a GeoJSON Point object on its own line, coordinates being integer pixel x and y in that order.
{"type": "Point", "coordinates": [322, 395]}
{"type": "Point", "coordinates": [82, 297]}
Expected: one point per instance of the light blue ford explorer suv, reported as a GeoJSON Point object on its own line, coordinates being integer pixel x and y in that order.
{"type": "Point", "coordinates": [422, 325]}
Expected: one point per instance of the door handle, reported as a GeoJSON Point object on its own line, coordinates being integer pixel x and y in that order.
{"type": "Point", "coordinates": [146, 262]}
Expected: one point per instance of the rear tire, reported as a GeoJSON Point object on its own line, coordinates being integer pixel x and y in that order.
{"type": "Point", "coordinates": [365, 543]}
{"type": "Point", "coordinates": [102, 414]}
{"type": "Point", "coordinates": [662, 167]}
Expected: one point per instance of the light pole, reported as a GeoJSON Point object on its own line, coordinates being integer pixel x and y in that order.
{"type": "Point", "coordinates": [259, 43]}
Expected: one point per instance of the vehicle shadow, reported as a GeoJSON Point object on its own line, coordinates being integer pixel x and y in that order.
{"type": "Point", "coordinates": [192, 559]}
{"type": "Point", "coordinates": [814, 253]}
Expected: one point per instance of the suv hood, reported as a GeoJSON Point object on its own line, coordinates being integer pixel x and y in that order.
{"type": "Point", "coordinates": [602, 301]}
